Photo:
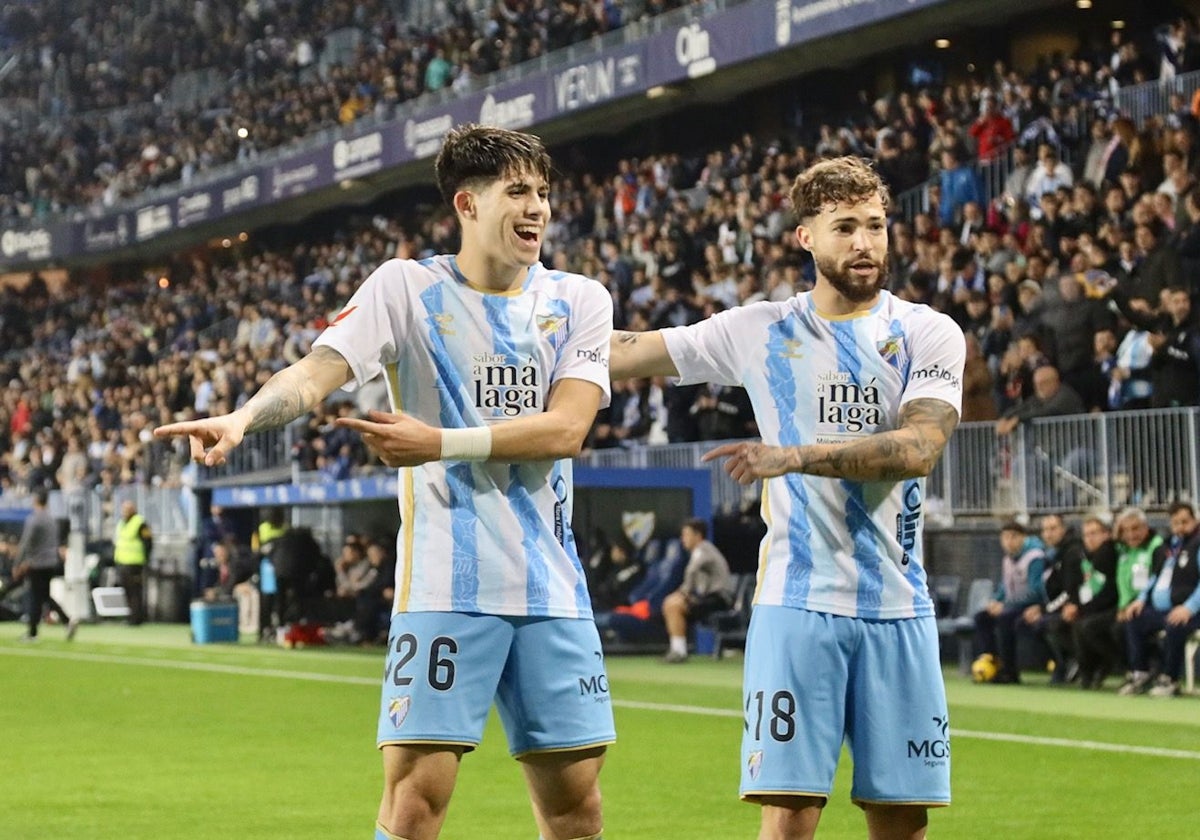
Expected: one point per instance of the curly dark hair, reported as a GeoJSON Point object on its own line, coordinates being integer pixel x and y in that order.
{"type": "Point", "coordinates": [832, 181]}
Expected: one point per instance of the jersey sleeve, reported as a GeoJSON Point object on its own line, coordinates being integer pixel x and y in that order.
{"type": "Point", "coordinates": [709, 351]}
{"type": "Point", "coordinates": [372, 324]}
{"type": "Point", "coordinates": [938, 353]}
{"type": "Point", "coordinates": [585, 353]}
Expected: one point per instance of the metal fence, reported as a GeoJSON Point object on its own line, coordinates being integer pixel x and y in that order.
{"type": "Point", "coordinates": [1063, 464]}
{"type": "Point", "coordinates": [1071, 464]}
{"type": "Point", "coordinates": [1149, 99]}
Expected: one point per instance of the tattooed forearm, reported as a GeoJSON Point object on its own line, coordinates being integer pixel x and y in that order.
{"type": "Point", "coordinates": [910, 451]}
{"type": "Point", "coordinates": [295, 390]}
{"type": "Point", "coordinates": [639, 354]}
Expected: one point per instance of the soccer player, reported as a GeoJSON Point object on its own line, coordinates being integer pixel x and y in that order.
{"type": "Point", "coordinates": [856, 393]}
{"type": "Point", "coordinates": [496, 367]}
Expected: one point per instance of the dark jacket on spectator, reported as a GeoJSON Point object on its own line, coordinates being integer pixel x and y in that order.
{"type": "Point", "coordinates": [1091, 583]}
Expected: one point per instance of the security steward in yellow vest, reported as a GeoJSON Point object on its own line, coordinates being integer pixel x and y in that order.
{"type": "Point", "coordinates": [131, 552]}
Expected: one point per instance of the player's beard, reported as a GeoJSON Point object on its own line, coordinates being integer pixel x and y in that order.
{"type": "Point", "coordinates": [847, 284]}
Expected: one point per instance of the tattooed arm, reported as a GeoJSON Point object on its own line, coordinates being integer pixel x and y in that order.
{"type": "Point", "coordinates": [910, 451]}
{"type": "Point", "coordinates": [294, 391]}
{"type": "Point", "coordinates": [639, 354]}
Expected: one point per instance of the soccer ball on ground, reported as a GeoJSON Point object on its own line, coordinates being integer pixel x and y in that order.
{"type": "Point", "coordinates": [984, 668]}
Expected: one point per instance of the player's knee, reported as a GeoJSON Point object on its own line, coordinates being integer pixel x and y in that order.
{"type": "Point", "coordinates": [578, 815]}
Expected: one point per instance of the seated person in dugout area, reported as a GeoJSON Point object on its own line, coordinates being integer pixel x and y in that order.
{"type": "Point", "coordinates": [1020, 586]}
{"type": "Point", "coordinates": [1168, 604]}
{"type": "Point", "coordinates": [707, 587]}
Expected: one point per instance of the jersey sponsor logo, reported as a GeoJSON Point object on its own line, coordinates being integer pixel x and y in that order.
{"type": "Point", "coordinates": [848, 405]}
{"type": "Point", "coordinates": [398, 708]}
{"type": "Point", "coordinates": [907, 522]}
{"type": "Point", "coordinates": [503, 389]}
{"type": "Point", "coordinates": [595, 356]}
{"type": "Point", "coordinates": [595, 687]}
{"type": "Point", "coordinates": [443, 322]}
{"type": "Point", "coordinates": [935, 751]}
{"type": "Point", "coordinates": [341, 315]}
{"type": "Point", "coordinates": [938, 372]}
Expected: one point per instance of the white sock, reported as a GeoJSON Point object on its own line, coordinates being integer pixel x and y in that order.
{"type": "Point", "coordinates": [679, 645]}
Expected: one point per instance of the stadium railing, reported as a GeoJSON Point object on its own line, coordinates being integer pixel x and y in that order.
{"type": "Point", "coordinates": [1071, 465]}
{"type": "Point", "coordinates": [1148, 99]}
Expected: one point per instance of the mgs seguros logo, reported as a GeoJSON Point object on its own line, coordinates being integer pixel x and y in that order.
{"type": "Point", "coordinates": [933, 751]}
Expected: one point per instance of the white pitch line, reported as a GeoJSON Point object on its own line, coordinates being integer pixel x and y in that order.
{"type": "Point", "coordinates": [310, 676]}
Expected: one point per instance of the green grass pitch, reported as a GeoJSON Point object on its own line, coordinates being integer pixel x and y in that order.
{"type": "Point", "coordinates": [135, 733]}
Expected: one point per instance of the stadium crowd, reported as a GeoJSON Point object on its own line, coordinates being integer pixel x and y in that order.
{"type": "Point", "coordinates": [1076, 283]}
{"type": "Point", "coordinates": [1089, 267]}
{"type": "Point", "coordinates": [95, 80]}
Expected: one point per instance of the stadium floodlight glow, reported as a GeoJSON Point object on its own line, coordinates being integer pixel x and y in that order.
{"type": "Point", "coordinates": [942, 43]}
{"type": "Point", "coordinates": [1083, 4]}
{"type": "Point", "coordinates": [243, 132]}
{"type": "Point", "coordinates": [226, 243]}
{"type": "Point", "coordinates": [164, 282]}
{"type": "Point", "coordinates": [243, 237]}
{"type": "Point", "coordinates": [1118, 24]}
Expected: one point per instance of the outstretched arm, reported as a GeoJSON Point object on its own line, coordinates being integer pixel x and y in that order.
{"type": "Point", "coordinates": [294, 391]}
{"type": "Point", "coordinates": [400, 440]}
{"type": "Point", "coordinates": [640, 354]}
{"type": "Point", "coordinates": [910, 451]}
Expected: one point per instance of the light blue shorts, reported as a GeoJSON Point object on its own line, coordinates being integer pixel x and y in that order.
{"type": "Point", "coordinates": [813, 680]}
{"type": "Point", "coordinates": [546, 676]}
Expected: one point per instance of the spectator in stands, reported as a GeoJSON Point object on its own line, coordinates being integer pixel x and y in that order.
{"type": "Point", "coordinates": [1130, 379]}
{"type": "Point", "coordinates": [1091, 610]}
{"type": "Point", "coordinates": [722, 412]}
{"type": "Point", "coordinates": [1049, 174]}
{"type": "Point", "coordinates": [1169, 603]}
{"type": "Point", "coordinates": [1175, 365]}
{"type": "Point", "coordinates": [979, 399]}
{"type": "Point", "coordinates": [1063, 563]}
{"type": "Point", "coordinates": [458, 351]}
{"type": "Point", "coordinates": [1021, 586]}
{"type": "Point", "coordinates": [1095, 382]}
{"type": "Point", "coordinates": [992, 130]}
{"type": "Point", "coordinates": [959, 184]}
{"type": "Point", "coordinates": [707, 588]}
{"type": "Point", "coordinates": [1136, 544]}
{"type": "Point", "coordinates": [1051, 398]}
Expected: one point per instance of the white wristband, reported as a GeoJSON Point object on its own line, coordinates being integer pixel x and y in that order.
{"type": "Point", "coordinates": [474, 444]}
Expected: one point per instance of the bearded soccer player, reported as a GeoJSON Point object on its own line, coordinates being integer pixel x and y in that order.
{"type": "Point", "coordinates": [496, 367]}
{"type": "Point", "coordinates": [856, 393]}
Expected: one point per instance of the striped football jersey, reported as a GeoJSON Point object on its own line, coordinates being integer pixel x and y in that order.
{"type": "Point", "coordinates": [832, 545]}
{"type": "Point", "coordinates": [483, 537]}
